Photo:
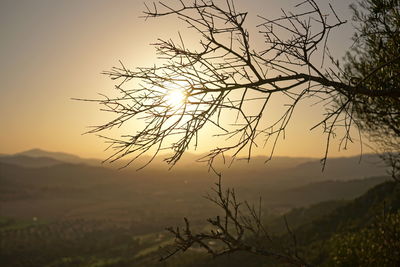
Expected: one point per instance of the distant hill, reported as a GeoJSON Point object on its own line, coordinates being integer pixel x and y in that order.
{"type": "Point", "coordinates": [50, 189]}
{"type": "Point", "coordinates": [291, 169]}
{"type": "Point", "coordinates": [304, 215]}
{"type": "Point", "coordinates": [59, 156]}
{"type": "Point", "coordinates": [356, 214]}
{"type": "Point", "coordinates": [258, 162]}
{"type": "Point", "coordinates": [330, 190]}
{"type": "Point", "coordinates": [29, 162]}
{"type": "Point", "coordinates": [58, 182]}
{"type": "Point", "coordinates": [352, 217]}
{"type": "Point", "coordinates": [36, 152]}
{"type": "Point", "coordinates": [62, 174]}
{"type": "Point", "coordinates": [314, 229]}
{"type": "Point", "coordinates": [341, 196]}
{"type": "Point", "coordinates": [345, 168]}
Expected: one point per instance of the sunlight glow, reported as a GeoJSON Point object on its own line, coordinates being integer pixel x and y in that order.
{"type": "Point", "coordinates": [175, 98]}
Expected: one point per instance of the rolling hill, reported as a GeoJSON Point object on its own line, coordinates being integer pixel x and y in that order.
{"type": "Point", "coordinates": [52, 195]}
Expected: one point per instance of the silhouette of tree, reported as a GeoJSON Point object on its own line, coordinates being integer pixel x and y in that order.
{"type": "Point", "coordinates": [374, 63]}
{"type": "Point", "coordinates": [240, 228]}
{"type": "Point", "coordinates": [226, 75]}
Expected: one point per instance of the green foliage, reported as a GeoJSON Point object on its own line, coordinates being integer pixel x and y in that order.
{"type": "Point", "coordinates": [354, 215]}
{"type": "Point", "coordinates": [68, 243]}
{"type": "Point", "coordinates": [374, 64]}
{"type": "Point", "coordinates": [376, 245]}
{"type": "Point", "coordinates": [318, 239]}
{"type": "Point", "coordinates": [327, 233]}
{"type": "Point", "coordinates": [330, 234]}
{"type": "Point", "coordinates": [302, 216]}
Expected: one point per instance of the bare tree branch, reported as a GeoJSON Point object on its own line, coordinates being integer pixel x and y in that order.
{"type": "Point", "coordinates": [239, 228]}
{"type": "Point", "coordinates": [225, 76]}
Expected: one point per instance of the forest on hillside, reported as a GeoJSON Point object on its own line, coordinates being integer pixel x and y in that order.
{"type": "Point", "coordinates": [74, 214]}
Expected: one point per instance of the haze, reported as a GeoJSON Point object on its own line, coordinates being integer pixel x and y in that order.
{"type": "Point", "coordinates": [52, 51]}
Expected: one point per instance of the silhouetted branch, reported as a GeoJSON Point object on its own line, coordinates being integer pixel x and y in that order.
{"type": "Point", "coordinates": [239, 228]}
{"type": "Point", "coordinates": [225, 76]}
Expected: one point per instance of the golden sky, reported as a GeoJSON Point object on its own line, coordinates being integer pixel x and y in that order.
{"type": "Point", "coordinates": [54, 50]}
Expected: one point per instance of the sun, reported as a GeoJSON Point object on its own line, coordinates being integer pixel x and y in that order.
{"type": "Point", "coordinates": [175, 98]}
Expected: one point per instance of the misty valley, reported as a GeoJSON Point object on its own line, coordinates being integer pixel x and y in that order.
{"type": "Point", "coordinates": [61, 210]}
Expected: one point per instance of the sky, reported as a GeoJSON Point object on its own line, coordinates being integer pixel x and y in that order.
{"type": "Point", "coordinates": [54, 50]}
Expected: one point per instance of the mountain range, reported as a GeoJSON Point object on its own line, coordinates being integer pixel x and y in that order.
{"type": "Point", "coordinates": [56, 184]}
{"type": "Point", "coordinates": [46, 194]}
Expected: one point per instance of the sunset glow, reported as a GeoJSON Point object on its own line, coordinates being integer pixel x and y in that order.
{"type": "Point", "coordinates": [85, 39]}
{"type": "Point", "coordinates": [175, 98]}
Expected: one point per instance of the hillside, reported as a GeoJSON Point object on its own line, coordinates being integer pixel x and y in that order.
{"type": "Point", "coordinates": [62, 190]}
{"type": "Point", "coordinates": [60, 156]}
{"type": "Point", "coordinates": [29, 162]}
{"type": "Point", "coordinates": [354, 215]}
{"type": "Point", "coordinates": [322, 230]}
{"type": "Point", "coordinates": [77, 203]}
